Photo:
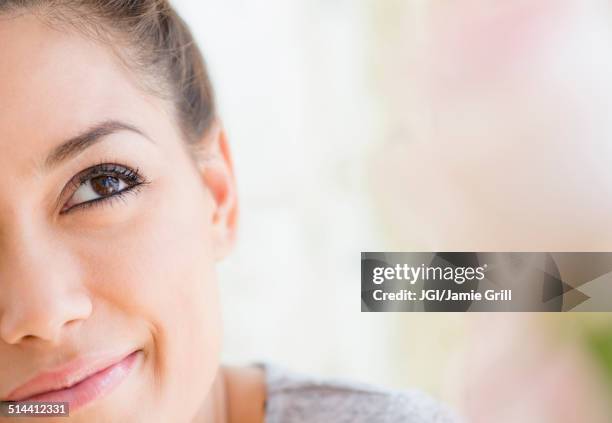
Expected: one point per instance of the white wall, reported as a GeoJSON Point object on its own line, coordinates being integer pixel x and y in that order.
{"type": "Point", "coordinates": [292, 83]}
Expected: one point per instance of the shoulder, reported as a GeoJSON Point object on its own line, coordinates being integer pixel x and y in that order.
{"type": "Point", "coordinates": [294, 397]}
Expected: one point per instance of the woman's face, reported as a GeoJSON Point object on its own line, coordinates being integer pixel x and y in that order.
{"type": "Point", "coordinates": [84, 283]}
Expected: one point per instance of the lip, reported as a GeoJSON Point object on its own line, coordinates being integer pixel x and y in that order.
{"type": "Point", "coordinates": [78, 382]}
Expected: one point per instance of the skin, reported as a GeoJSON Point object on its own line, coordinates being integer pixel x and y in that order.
{"type": "Point", "coordinates": [135, 273]}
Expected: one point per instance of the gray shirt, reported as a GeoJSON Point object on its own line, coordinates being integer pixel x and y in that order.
{"type": "Point", "coordinates": [296, 398]}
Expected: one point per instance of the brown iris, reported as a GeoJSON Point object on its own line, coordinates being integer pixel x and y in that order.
{"type": "Point", "coordinates": [105, 185]}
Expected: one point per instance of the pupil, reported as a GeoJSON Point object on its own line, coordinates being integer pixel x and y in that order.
{"type": "Point", "coordinates": [105, 185]}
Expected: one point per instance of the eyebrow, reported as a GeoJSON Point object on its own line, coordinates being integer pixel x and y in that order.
{"type": "Point", "coordinates": [75, 145]}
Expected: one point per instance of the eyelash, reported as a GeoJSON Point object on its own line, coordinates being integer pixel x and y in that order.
{"type": "Point", "coordinates": [132, 177]}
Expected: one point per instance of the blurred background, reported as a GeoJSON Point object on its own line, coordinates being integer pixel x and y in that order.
{"type": "Point", "coordinates": [415, 125]}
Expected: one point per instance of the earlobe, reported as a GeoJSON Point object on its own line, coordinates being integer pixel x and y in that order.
{"type": "Point", "coordinates": [217, 172]}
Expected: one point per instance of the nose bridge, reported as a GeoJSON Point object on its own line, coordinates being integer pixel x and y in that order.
{"type": "Point", "coordinates": [24, 243]}
{"type": "Point", "coordinates": [38, 285]}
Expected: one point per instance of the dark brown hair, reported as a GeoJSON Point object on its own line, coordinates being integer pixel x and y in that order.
{"type": "Point", "coordinates": [149, 36]}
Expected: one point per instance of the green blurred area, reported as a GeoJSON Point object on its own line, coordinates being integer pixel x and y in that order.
{"type": "Point", "coordinates": [599, 344]}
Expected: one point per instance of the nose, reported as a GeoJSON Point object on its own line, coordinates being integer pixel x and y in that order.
{"type": "Point", "coordinates": [40, 294]}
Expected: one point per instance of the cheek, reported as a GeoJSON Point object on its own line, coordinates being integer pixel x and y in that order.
{"type": "Point", "coordinates": [157, 272]}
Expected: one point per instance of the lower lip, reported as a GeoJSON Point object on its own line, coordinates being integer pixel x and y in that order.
{"type": "Point", "coordinates": [93, 387]}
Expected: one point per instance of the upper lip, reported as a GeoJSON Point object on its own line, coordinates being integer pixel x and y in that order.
{"type": "Point", "coordinates": [65, 375]}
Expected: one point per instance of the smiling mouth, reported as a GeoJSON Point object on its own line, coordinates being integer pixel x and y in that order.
{"type": "Point", "coordinates": [79, 384]}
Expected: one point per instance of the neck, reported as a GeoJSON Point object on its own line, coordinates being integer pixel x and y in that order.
{"type": "Point", "coordinates": [237, 395]}
{"type": "Point", "coordinates": [214, 407]}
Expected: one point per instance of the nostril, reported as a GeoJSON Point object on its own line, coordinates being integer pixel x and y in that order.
{"type": "Point", "coordinates": [73, 322]}
{"type": "Point", "coordinates": [45, 317]}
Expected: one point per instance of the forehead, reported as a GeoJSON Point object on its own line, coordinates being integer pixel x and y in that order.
{"type": "Point", "coordinates": [53, 83]}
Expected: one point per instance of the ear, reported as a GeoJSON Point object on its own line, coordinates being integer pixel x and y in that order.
{"type": "Point", "coordinates": [217, 171]}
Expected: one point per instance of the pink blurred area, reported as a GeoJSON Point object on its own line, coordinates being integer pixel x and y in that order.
{"type": "Point", "coordinates": [513, 370]}
{"type": "Point", "coordinates": [475, 39]}
{"type": "Point", "coordinates": [498, 139]}
{"type": "Point", "coordinates": [502, 114]}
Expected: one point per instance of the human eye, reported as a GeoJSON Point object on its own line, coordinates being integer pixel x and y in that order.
{"type": "Point", "coordinates": [100, 184]}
